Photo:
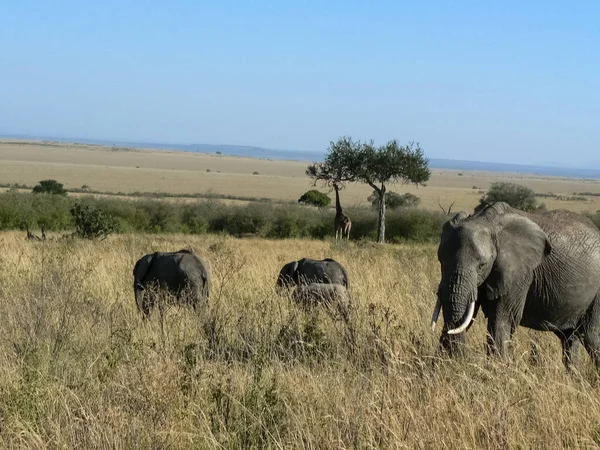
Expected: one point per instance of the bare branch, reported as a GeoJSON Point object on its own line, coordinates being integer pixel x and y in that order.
{"type": "Point", "coordinates": [444, 210]}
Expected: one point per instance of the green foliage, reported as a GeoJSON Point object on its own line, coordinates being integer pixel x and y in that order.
{"type": "Point", "coordinates": [347, 161]}
{"type": "Point", "coordinates": [516, 195]}
{"type": "Point", "coordinates": [315, 198]}
{"type": "Point", "coordinates": [49, 187]}
{"type": "Point", "coordinates": [341, 164]}
{"type": "Point", "coordinates": [92, 222]}
{"type": "Point", "coordinates": [287, 226]}
{"type": "Point", "coordinates": [19, 210]}
{"type": "Point", "coordinates": [393, 163]}
{"type": "Point", "coordinates": [274, 221]}
{"type": "Point", "coordinates": [193, 221]}
{"type": "Point", "coordinates": [394, 200]}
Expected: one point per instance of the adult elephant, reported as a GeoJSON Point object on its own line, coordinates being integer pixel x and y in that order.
{"type": "Point", "coordinates": [307, 270]}
{"type": "Point", "coordinates": [182, 274]}
{"type": "Point", "coordinates": [541, 271]}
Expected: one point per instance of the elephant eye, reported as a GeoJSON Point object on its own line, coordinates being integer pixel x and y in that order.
{"type": "Point", "coordinates": [481, 266]}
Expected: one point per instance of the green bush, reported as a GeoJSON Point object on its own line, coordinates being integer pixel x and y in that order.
{"type": "Point", "coordinates": [517, 196]}
{"type": "Point", "coordinates": [250, 220]}
{"type": "Point", "coordinates": [49, 187]}
{"type": "Point", "coordinates": [92, 222]}
{"type": "Point", "coordinates": [315, 198]}
{"type": "Point", "coordinates": [193, 221]}
{"type": "Point", "coordinates": [161, 216]}
{"type": "Point", "coordinates": [416, 225]}
{"type": "Point", "coordinates": [394, 200]}
{"type": "Point", "coordinates": [287, 226]}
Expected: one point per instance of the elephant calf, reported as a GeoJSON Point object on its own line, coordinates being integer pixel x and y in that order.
{"type": "Point", "coordinates": [313, 294]}
{"type": "Point", "coordinates": [184, 275]}
{"type": "Point", "coordinates": [307, 270]}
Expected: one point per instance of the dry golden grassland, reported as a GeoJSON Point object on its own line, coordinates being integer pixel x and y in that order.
{"type": "Point", "coordinates": [125, 170]}
{"type": "Point", "coordinates": [79, 368]}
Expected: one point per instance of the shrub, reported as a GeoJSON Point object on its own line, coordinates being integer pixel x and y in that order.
{"type": "Point", "coordinates": [49, 187]}
{"type": "Point", "coordinates": [247, 221]}
{"type": "Point", "coordinates": [92, 222]}
{"type": "Point", "coordinates": [287, 227]}
{"type": "Point", "coordinates": [394, 200]}
{"type": "Point", "coordinates": [416, 225]}
{"type": "Point", "coordinates": [315, 198]}
{"type": "Point", "coordinates": [193, 220]}
{"type": "Point", "coordinates": [255, 173]}
{"type": "Point", "coordinates": [161, 216]}
{"type": "Point", "coordinates": [517, 196]}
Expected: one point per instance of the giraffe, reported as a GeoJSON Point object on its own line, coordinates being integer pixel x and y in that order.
{"type": "Point", "coordinates": [341, 223]}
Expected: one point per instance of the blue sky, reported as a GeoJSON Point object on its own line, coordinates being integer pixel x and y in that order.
{"type": "Point", "coordinates": [509, 81]}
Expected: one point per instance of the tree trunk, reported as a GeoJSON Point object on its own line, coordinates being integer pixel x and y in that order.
{"type": "Point", "coordinates": [381, 229]}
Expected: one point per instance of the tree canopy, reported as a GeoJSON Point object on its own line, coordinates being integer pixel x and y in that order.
{"type": "Point", "coordinates": [394, 200]}
{"type": "Point", "coordinates": [49, 187]}
{"type": "Point", "coordinates": [355, 161]}
{"type": "Point", "coordinates": [315, 198]}
{"type": "Point", "coordinates": [516, 195]}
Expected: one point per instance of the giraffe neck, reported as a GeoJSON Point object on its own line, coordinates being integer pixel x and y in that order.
{"type": "Point", "coordinates": [338, 206]}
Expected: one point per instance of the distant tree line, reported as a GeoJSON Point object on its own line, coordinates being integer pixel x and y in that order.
{"type": "Point", "coordinates": [99, 216]}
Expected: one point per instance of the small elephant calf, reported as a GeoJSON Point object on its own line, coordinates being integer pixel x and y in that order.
{"type": "Point", "coordinates": [183, 274]}
{"type": "Point", "coordinates": [313, 294]}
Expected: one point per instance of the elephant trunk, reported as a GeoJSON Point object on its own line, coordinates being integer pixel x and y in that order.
{"type": "Point", "coordinates": [457, 297]}
{"type": "Point", "coordinates": [140, 294]}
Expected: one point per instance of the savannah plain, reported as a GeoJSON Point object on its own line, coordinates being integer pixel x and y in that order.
{"type": "Point", "coordinates": [114, 170]}
{"type": "Point", "coordinates": [79, 368]}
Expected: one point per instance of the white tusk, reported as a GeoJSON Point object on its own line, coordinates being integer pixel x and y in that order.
{"type": "Point", "coordinates": [436, 313]}
{"type": "Point", "coordinates": [466, 322]}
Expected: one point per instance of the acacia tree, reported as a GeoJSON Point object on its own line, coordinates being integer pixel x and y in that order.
{"type": "Point", "coordinates": [391, 163]}
{"type": "Point", "coordinates": [349, 161]}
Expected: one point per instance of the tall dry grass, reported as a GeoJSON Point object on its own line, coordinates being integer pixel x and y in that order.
{"type": "Point", "coordinates": [79, 368]}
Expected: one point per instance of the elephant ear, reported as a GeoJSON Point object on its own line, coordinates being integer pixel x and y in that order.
{"type": "Point", "coordinates": [288, 274]}
{"type": "Point", "coordinates": [521, 246]}
{"type": "Point", "coordinates": [142, 266]}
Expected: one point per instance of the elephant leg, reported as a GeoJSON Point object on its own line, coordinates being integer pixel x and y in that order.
{"type": "Point", "coordinates": [570, 347]}
{"type": "Point", "coordinates": [503, 319]}
{"type": "Point", "coordinates": [147, 305]}
{"type": "Point", "coordinates": [591, 341]}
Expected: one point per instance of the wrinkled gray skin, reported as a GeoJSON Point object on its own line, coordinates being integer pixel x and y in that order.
{"type": "Point", "coordinates": [538, 271]}
{"type": "Point", "coordinates": [183, 274]}
{"type": "Point", "coordinates": [313, 294]}
{"type": "Point", "coordinates": [306, 271]}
